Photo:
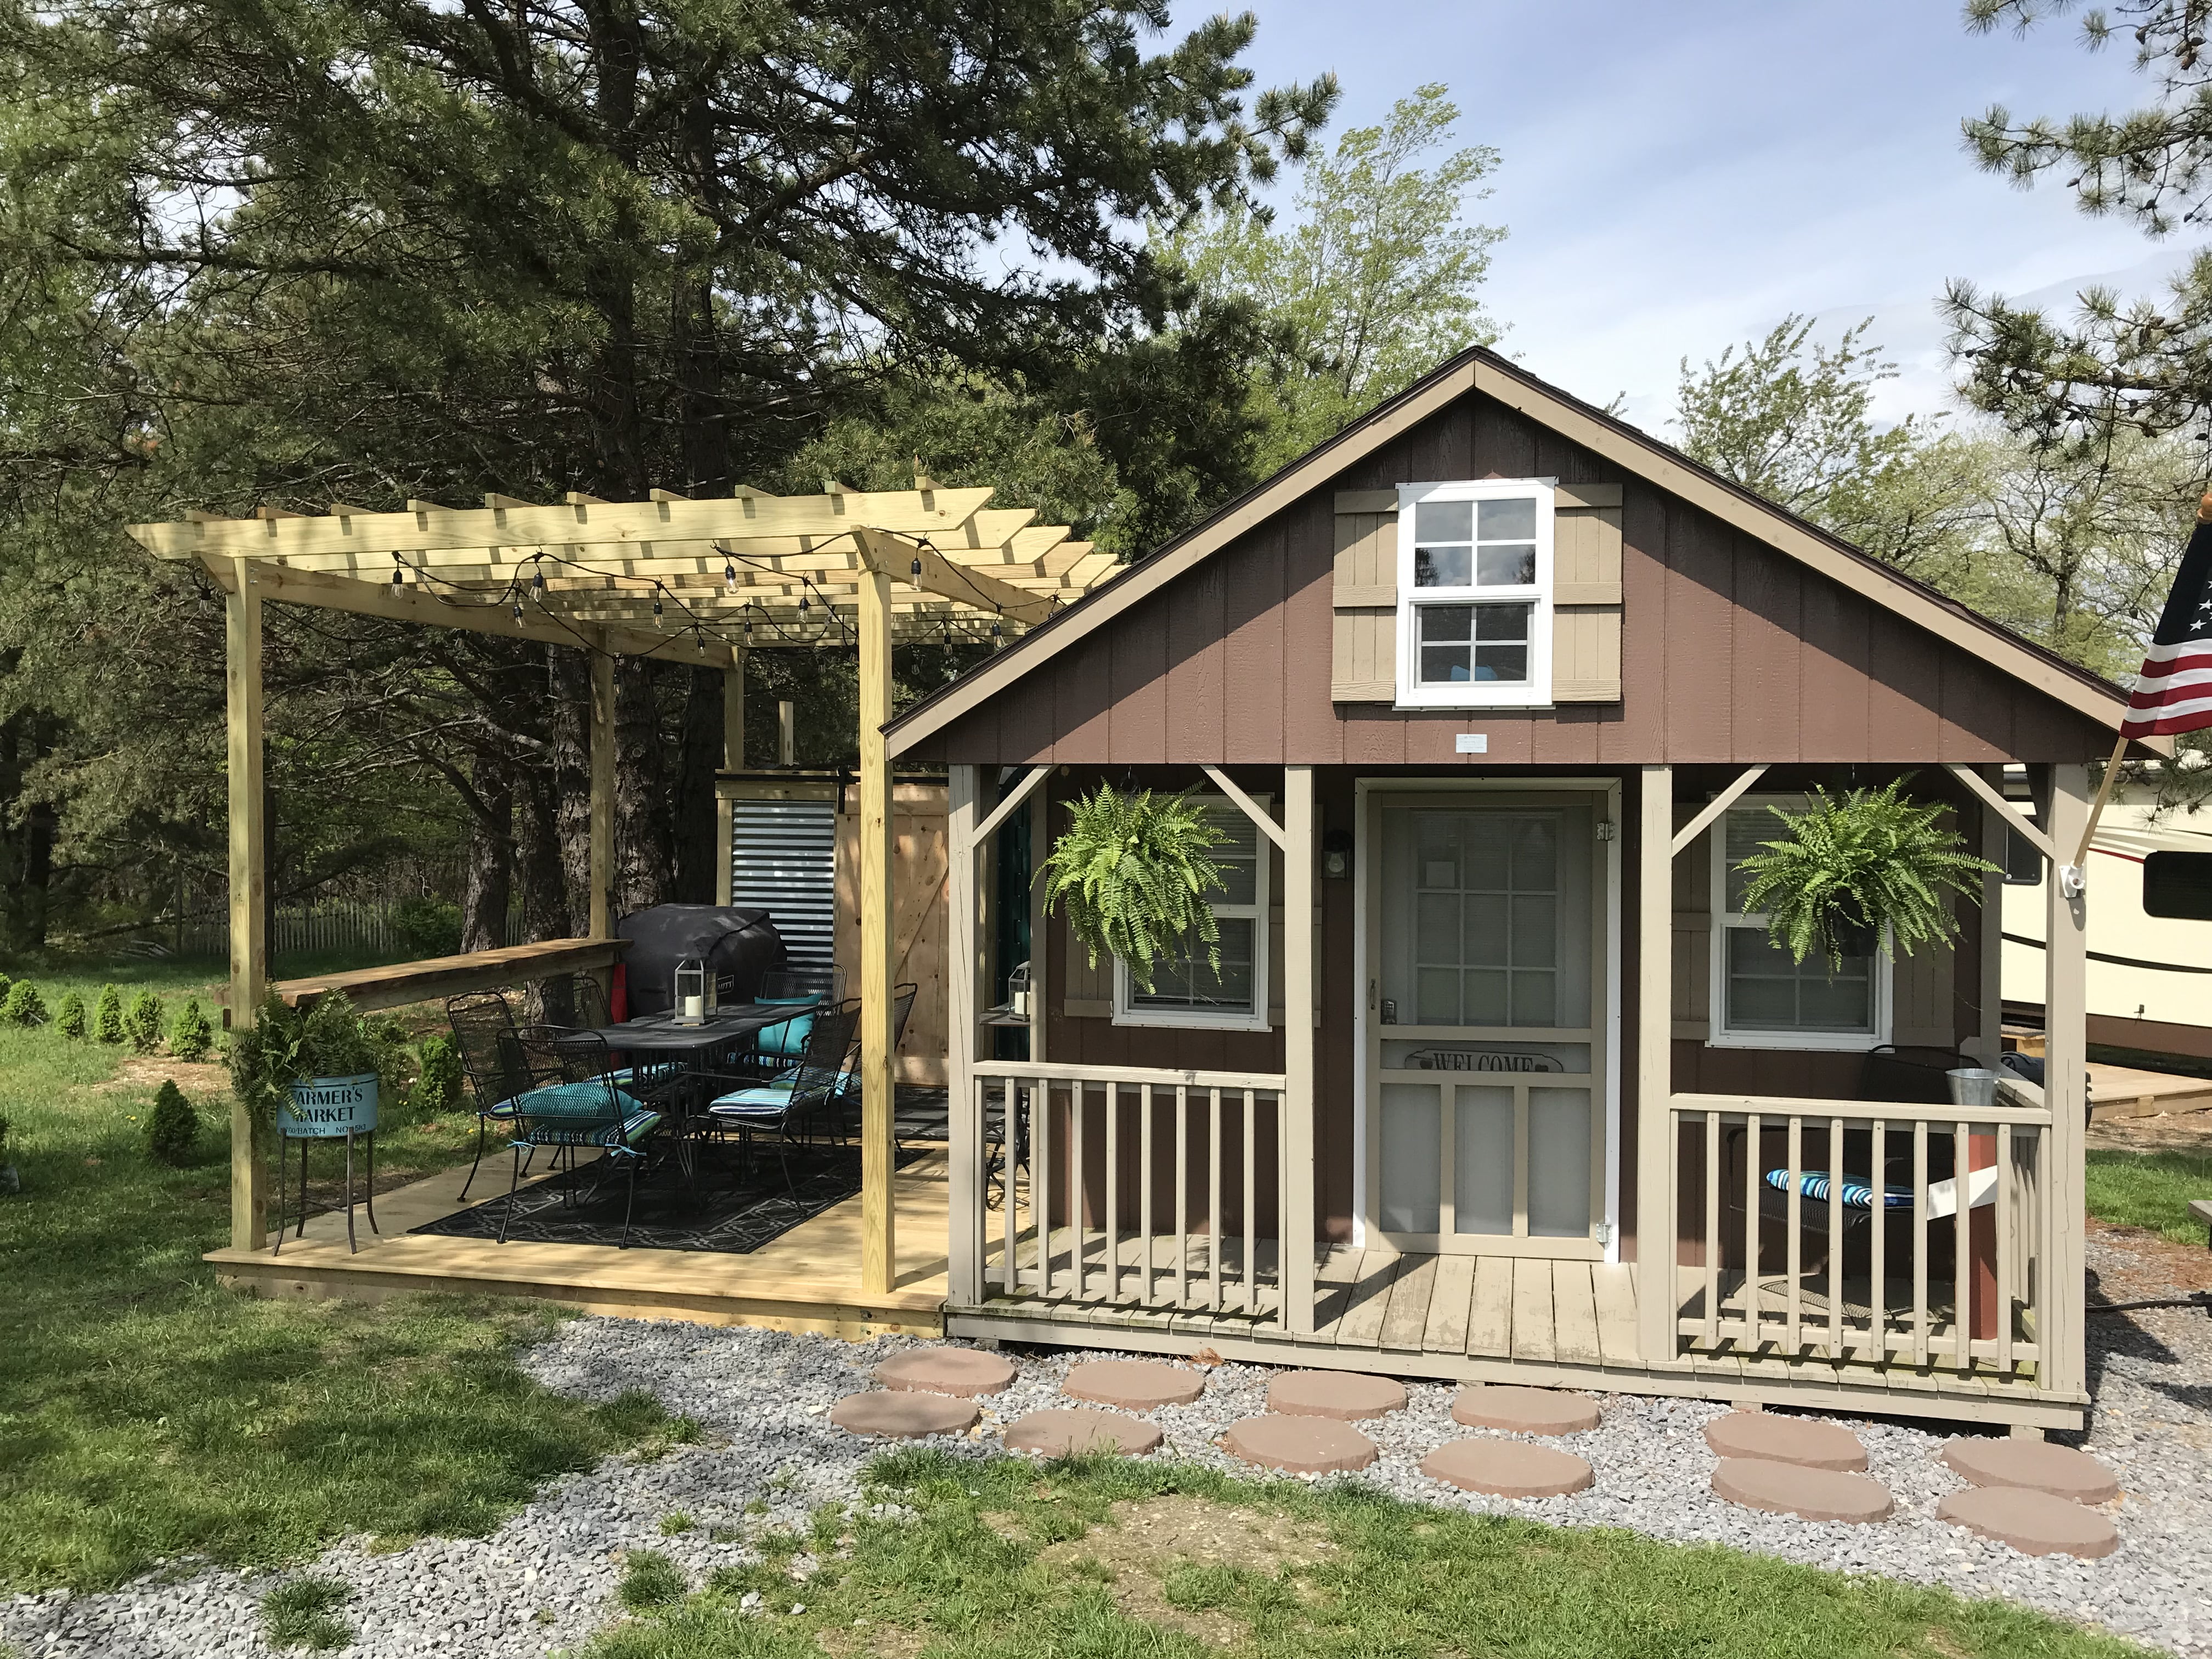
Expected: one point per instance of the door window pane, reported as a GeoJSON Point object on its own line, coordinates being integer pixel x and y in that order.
{"type": "Point", "coordinates": [1413, 1126]}
{"type": "Point", "coordinates": [1558, 1163]}
{"type": "Point", "coordinates": [1495, 874]}
{"type": "Point", "coordinates": [1482, 1148]}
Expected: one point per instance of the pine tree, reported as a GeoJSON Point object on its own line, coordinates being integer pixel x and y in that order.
{"type": "Point", "coordinates": [69, 1019]}
{"type": "Point", "coordinates": [173, 1127]}
{"type": "Point", "coordinates": [438, 1080]}
{"type": "Point", "coordinates": [192, 1037]}
{"type": "Point", "coordinates": [108, 1015]}
{"type": "Point", "coordinates": [23, 1006]}
{"type": "Point", "coordinates": [142, 1024]}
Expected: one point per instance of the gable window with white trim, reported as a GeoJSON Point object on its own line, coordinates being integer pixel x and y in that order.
{"type": "Point", "coordinates": [1760, 998]}
{"type": "Point", "coordinates": [1475, 595]}
{"type": "Point", "coordinates": [1185, 991]}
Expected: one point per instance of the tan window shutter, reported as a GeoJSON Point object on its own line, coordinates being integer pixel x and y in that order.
{"type": "Point", "coordinates": [1363, 659]}
{"type": "Point", "coordinates": [1585, 594]}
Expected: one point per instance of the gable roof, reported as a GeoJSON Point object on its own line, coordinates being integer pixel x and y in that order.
{"type": "Point", "coordinates": [1480, 370]}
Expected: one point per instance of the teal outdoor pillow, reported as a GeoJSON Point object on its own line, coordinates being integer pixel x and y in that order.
{"type": "Point", "coordinates": [788, 1040]}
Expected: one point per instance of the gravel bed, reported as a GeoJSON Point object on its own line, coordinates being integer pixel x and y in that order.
{"type": "Point", "coordinates": [546, 1579]}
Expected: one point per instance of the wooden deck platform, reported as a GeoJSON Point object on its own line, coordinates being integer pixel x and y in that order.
{"type": "Point", "coordinates": [1501, 1319]}
{"type": "Point", "coordinates": [806, 1281]}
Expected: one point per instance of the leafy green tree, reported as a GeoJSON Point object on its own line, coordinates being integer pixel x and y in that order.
{"type": "Point", "coordinates": [23, 1006]}
{"type": "Point", "coordinates": [68, 1018]}
{"type": "Point", "coordinates": [1373, 282]}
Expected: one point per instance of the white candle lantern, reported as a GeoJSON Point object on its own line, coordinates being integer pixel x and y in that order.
{"type": "Point", "coordinates": [694, 988]}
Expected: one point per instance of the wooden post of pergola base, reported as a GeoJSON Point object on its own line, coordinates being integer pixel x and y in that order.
{"type": "Point", "coordinates": [249, 879]}
{"type": "Point", "coordinates": [879, 1102]}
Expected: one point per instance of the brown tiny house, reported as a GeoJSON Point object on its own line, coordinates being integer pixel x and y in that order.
{"type": "Point", "coordinates": [1493, 690]}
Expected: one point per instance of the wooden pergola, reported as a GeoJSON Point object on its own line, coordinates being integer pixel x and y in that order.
{"type": "Point", "coordinates": [697, 581]}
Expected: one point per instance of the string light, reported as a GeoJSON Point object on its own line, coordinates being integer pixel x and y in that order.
{"type": "Point", "coordinates": [917, 567]}
{"type": "Point", "coordinates": [399, 572]}
{"type": "Point", "coordinates": [998, 640]}
{"type": "Point", "coordinates": [537, 583]}
{"type": "Point", "coordinates": [729, 577]}
{"type": "Point", "coordinates": [749, 628]}
{"type": "Point", "coordinates": [656, 608]}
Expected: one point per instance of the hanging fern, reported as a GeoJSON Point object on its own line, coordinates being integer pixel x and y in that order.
{"type": "Point", "coordinates": [1134, 872]}
{"type": "Point", "coordinates": [1871, 861]}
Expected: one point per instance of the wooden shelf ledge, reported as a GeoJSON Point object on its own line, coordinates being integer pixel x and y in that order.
{"type": "Point", "coordinates": [403, 982]}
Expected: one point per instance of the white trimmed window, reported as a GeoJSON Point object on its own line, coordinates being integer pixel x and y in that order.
{"type": "Point", "coordinates": [1760, 998]}
{"type": "Point", "coordinates": [1185, 991]}
{"type": "Point", "coordinates": [1475, 595]}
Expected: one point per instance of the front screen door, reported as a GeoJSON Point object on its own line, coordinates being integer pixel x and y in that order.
{"type": "Point", "coordinates": [1486, 1115]}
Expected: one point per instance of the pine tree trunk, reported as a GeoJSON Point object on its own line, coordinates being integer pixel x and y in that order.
{"type": "Point", "coordinates": [537, 860]}
{"type": "Point", "coordinates": [488, 876]}
{"type": "Point", "coordinates": [571, 785]}
{"type": "Point", "coordinates": [700, 756]}
{"type": "Point", "coordinates": [644, 846]}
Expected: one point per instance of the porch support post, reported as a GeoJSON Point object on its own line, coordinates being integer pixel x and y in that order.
{"type": "Point", "coordinates": [602, 790]}
{"type": "Point", "coordinates": [1990, 1032]}
{"type": "Point", "coordinates": [2065, 999]}
{"type": "Point", "coordinates": [1294, 1230]}
{"type": "Point", "coordinates": [963, 988]}
{"type": "Point", "coordinates": [1040, 846]}
{"type": "Point", "coordinates": [734, 760]}
{"type": "Point", "coordinates": [1655, 1082]}
{"type": "Point", "coordinates": [879, 1240]}
{"type": "Point", "coordinates": [249, 878]}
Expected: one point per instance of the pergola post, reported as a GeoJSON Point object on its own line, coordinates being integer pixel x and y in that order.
{"type": "Point", "coordinates": [965, 959]}
{"type": "Point", "coordinates": [734, 760]}
{"type": "Point", "coordinates": [1655, 1065]}
{"type": "Point", "coordinates": [249, 879]}
{"type": "Point", "coordinates": [879, 1224]}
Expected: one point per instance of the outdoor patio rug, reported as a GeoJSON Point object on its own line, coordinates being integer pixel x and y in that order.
{"type": "Point", "coordinates": [726, 1213]}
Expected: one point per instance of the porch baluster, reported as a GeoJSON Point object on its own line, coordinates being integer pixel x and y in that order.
{"type": "Point", "coordinates": [2001, 1205]}
{"type": "Point", "coordinates": [1962, 1253]}
{"type": "Point", "coordinates": [1877, 1244]}
{"type": "Point", "coordinates": [1836, 1349]}
{"type": "Point", "coordinates": [1113, 1218]}
{"type": "Point", "coordinates": [1752, 1309]}
{"type": "Point", "coordinates": [1920, 1243]}
{"type": "Point", "coordinates": [1794, 1265]}
{"type": "Point", "coordinates": [1251, 1127]}
{"type": "Point", "coordinates": [1183, 1196]}
{"type": "Point", "coordinates": [1712, 1234]}
{"type": "Point", "coordinates": [1149, 1283]}
{"type": "Point", "coordinates": [1214, 1200]}
{"type": "Point", "coordinates": [1041, 1173]}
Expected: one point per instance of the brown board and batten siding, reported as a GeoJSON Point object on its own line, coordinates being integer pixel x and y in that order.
{"type": "Point", "coordinates": [1730, 651]}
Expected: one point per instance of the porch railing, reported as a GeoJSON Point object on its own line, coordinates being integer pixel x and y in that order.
{"type": "Point", "coordinates": [1937, 1255]}
{"type": "Point", "coordinates": [1129, 1187]}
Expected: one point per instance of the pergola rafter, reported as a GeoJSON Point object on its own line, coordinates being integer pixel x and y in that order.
{"type": "Point", "coordinates": [672, 578]}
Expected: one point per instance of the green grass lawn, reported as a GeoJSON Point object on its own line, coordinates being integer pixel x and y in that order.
{"type": "Point", "coordinates": [1010, 1559]}
{"type": "Point", "coordinates": [145, 1412]}
{"type": "Point", "coordinates": [2150, 1189]}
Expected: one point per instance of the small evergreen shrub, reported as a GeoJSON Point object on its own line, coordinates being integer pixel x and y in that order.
{"type": "Point", "coordinates": [437, 1080]}
{"type": "Point", "coordinates": [141, 1023]}
{"type": "Point", "coordinates": [173, 1128]}
{"type": "Point", "coordinates": [70, 1020]}
{"type": "Point", "coordinates": [108, 1015]}
{"type": "Point", "coordinates": [192, 1034]}
{"type": "Point", "coordinates": [428, 926]}
{"type": "Point", "coordinates": [23, 1006]}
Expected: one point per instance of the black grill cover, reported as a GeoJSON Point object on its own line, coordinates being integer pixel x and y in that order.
{"type": "Point", "coordinates": [739, 946]}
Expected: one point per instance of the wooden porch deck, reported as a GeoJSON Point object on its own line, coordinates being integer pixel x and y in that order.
{"type": "Point", "coordinates": [809, 1279]}
{"type": "Point", "coordinates": [1497, 1319]}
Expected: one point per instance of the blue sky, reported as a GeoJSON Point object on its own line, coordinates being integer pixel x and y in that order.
{"type": "Point", "coordinates": [1677, 176]}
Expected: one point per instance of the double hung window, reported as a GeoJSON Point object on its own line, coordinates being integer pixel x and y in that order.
{"type": "Point", "coordinates": [1760, 998]}
{"type": "Point", "coordinates": [1475, 595]}
{"type": "Point", "coordinates": [1186, 991]}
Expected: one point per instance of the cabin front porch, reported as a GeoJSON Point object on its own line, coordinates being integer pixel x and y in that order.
{"type": "Point", "coordinates": [1139, 1206]}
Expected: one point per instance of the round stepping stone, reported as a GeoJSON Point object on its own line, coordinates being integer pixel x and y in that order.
{"type": "Point", "coordinates": [1524, 1411]}
{"type": "Point", "coordinates": [2033, 1522]}
{"type": "Point", "coordinates": [2034, 1465]}
{"type": "Point", "coordinates": [1507, 1468]}
{"type": "Point", "coordinates": [1346, 1396]}
{"type": "Point", "coordinates": [1134, 1385]}
{"type": "Point", "coordinates": [947, 1371]}
{"type": "Point", "coordinates": [1810, 1494]}
{"type": "Point", "coordinates": [1770, 1438]}
{"type": "Point", "coordinates": [1300, 1445]}
{"type": "Point", "coordinates": [903, 1414]}
{"type": "Point", "coordinates": [1060, 1433]}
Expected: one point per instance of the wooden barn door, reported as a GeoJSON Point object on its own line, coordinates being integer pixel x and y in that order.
{"type": "Point", "coordinates": [1486, 1030]}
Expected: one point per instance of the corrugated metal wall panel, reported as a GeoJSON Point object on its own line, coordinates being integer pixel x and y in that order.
{"type": "Point", "coordinates": [783, 860]}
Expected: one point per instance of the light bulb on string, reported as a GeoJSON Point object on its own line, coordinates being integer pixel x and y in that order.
{"type": "Point", "coordinates": [915, 570]}
{"type": "Point", "coordinates": [656, 608]}
{"type": "Point", "coordinates": [537, 583]}
{"type": "Point", "coordinates": [729, 577]}
{"type": "Point", "coordinates": [399, 573]}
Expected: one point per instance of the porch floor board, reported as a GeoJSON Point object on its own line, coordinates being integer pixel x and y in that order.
{"type": "Point", "coordinates": [808, 1280]}
{"type": "Point", "coordinates": [1571, 1324]}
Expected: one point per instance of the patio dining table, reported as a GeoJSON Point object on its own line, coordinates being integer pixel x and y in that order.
{"type": "Point", "coordinates": [691, 1052]}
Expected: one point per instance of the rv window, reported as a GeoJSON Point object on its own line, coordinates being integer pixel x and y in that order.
{"type": "Point", "coordinates": [2179, 885]}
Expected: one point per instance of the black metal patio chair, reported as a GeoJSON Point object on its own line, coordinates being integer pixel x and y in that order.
{"type": "Point", "coordinates": [574, 1102]}
{"type": "Point", "coordinates": [790, 1106]}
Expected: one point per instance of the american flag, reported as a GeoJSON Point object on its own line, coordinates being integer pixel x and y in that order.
{"type": "Point", "coordinates": [2174, 692]}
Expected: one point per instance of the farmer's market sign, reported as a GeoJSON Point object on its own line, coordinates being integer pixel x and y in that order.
{"type": "Point", "coordinates": [329, 1107]}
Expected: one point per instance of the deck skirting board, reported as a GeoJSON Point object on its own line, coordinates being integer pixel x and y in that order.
{"type": "Point", "coordinates": [1729, 1380]}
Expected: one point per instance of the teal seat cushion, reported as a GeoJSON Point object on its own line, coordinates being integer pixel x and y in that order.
{"type": "Point", "coordinates": [788, 1040]}
{"type": "Point", "coordinates": [588, 1099]}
